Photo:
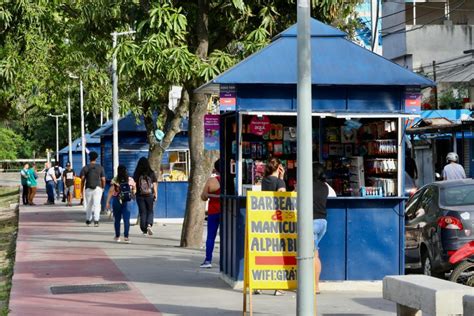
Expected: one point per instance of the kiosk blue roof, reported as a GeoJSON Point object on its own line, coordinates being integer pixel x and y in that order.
{"type": "Point", "coordinates": [130, 124]}
{"type": "Point", "coordinates": [76, 144]}
{"type": "Point", "coordinates": [335, 61]}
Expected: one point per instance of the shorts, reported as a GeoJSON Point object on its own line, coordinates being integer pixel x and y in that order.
{"type": "Point", "coordinates": [70, 189]}
{"type": "Point", "coordinates": [319, 230]}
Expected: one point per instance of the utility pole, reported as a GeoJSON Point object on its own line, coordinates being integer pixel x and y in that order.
{"type": "Point", "coordinates": [435, 88]}
{"type": "Point", "coordinates": [115, 106]}
{"type": "Point", "coordinates": [57, 133]}
{"type": "Point", "coordinates": [305, 297]}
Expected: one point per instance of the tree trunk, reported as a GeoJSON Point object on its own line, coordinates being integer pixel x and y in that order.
{"type": "Point", "coordinates": [191, 235]}
{"type": "Point", "coordinates": [201, 167]}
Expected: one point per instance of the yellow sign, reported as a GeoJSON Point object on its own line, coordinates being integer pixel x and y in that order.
{"type": "Point", "coordinates": [270, 236]}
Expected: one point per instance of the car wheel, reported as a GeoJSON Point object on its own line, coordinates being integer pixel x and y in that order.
{"type": "Point", "coordinates": [426, 267]}
{"type": "Point", "coordinates": [463, 273]}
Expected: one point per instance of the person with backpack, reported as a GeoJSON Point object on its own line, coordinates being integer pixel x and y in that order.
{"type": "Point", "coordinates": [93, 180]}
{"type": "Point", "coordinates": [68, 179]}
{"type": "Point", "coordinates": [58, 173]}
{"type": "Point", "coordinates": [121, 192]}
{"type": "Point", "coordinates": [147, 192]}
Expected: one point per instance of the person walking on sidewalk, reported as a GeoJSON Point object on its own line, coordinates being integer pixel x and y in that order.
{"type": "Point", "coordinates": [122, 190]}
{"type": "Point", "coordinates": [50, 179]}
{"type": "Point", "coordinates": [147, 192]}
{"type": "Point", "coordinates": [93, 180]}
{"type": "Point", "coordinates": [453, 170]}
{"type": "Point", "coordinates": [24, 183]}
{"type": "Point", "coordinates": [68, 180]}
{"type": "Point", "coordinates": [58, 173]}
{"type": "Point", "coordinates": [32, 184]}
{"type": "Point", "coordinates": [320, 196]}
{"type": "Point", "coordinates": [212, 187]}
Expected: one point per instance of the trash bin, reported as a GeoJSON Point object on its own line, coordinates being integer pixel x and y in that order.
{"type": "Point", "coordinates": [77, 188]}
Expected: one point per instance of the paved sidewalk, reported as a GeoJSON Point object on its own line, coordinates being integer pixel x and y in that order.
{"type": "Point", "coordinates": [56, 248]}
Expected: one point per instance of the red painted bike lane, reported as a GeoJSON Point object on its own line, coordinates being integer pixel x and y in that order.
{"type": "Point", "coordinates": [48, 255]}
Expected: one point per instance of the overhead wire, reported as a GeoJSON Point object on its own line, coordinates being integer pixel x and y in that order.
{"type": "Point", "coordinates": [412, 19]}
{"type": "Point", "coordinates": [403, 30]}
{"type": "Point", "coordinates": [443, 67]}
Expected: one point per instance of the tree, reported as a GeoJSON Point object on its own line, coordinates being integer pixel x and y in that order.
{"type": "Point", "coordinates": [183, 43]}
{"type": "Point", "coordinates": [217, 45]}
{"type": "Point", "coordinates": [34, 59]}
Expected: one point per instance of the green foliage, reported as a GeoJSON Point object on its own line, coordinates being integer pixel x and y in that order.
{"type": "Point", "coordinates": [12, 145]}
{"type": "Point", "coordinates": [447, 100]}
{"type": "Point", "coordinates": [42, 41]}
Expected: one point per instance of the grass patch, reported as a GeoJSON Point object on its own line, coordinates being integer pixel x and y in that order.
{"type": "Point", "coordinates": [8, 233]}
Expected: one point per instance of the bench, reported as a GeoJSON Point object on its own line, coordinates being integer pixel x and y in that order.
{"type": "Point", "coordinates": [415, 293]}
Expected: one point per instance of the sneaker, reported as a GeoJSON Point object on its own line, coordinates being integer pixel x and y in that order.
{"type": "Point", "coordinates": [149, 231]}
{"type": "Point", "coordinates": [126, 240]}
{"type": "Point", "coordinates": [96, 224]}
{"type": "Point", "coordinates": [206, 265]}
{"type": "Point", "coordinates": [117, 239]}
{"type": "Point", "coordinates": [145, 234]}
{"type": "Point", "coordinates": [88, 223]}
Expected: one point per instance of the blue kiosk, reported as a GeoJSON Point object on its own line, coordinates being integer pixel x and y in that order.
{"type": "Point", "coordinates": [358, 130]}
{"type": "Point", "coordinates": [92, 144]}
{"type": "Point", "coordinates": [133, 145]}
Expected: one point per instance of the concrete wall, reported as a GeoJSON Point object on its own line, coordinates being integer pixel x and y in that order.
{"type": "Point", "coordinates": [394, 45]}
{"type": "Point", "coordinates": [432, 38]}
{"type": "Point", "coordinates": [438, 42]}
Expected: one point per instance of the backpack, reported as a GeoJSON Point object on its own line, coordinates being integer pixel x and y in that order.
{"type": "Point", "coordinates": [57, 172]}
{"type": "Point", "coordinates": [145, 184]}
{"type": "Point", "coordinates": [125, 193]}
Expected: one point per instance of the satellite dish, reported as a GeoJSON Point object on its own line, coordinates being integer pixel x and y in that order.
{"type": "Point", "coordinates": [159, 135]}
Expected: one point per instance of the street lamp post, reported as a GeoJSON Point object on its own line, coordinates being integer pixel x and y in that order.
{"type": "Point", "coordinates": [69, 132]}
{"type": "Point", "coordinates": [305, 297]}
{"type": "Point", "coordinates": [83, 136]}
{"type": "Point", "coordinates": [57, 133]}
{"type": "Point", "coordinates": [115, 106]}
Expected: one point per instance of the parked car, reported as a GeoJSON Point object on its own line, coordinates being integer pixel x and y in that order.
{"type": "Point", "coordinates": [439, 219]}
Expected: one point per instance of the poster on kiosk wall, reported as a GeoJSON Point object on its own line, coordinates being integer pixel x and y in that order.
{"type": "Point", "coordinates": [211, 132]}
{"type": "Point", "coordinates": [270, 242]}
{"type": "Point", "coordinates": [227, 98]}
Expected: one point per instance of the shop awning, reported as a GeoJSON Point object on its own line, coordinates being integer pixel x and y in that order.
{"type": "Point", "coordinates": [344, 115]}
{"type": "Point", "coordinates": [440, 126]}
{"type": "Point", "coordinates": [335, 61]}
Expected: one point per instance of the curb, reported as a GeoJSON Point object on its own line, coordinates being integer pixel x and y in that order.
{"type": "Point", "coordinates": [326, 286]}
